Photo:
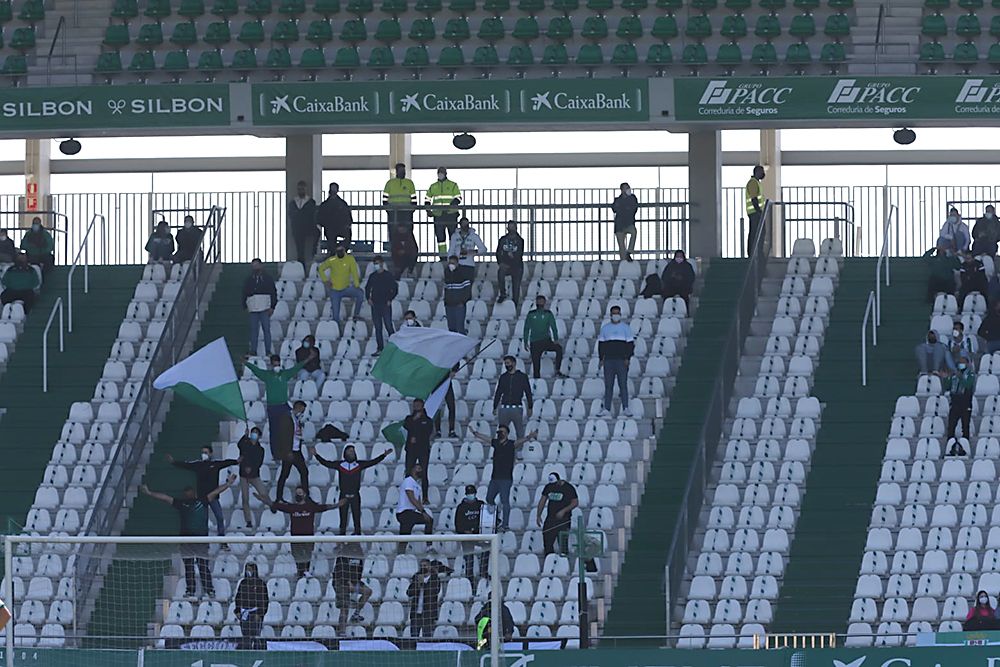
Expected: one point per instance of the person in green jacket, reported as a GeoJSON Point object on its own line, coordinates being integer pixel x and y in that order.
{"type": "Point", "coordinates": [961, 389]}
{"type": "Point", "coordinates": [943, 265]}
{"type": "Point", "coordinates": [38, 243]}
{"type": "Point", "coordinates": [279, 414]}
{"type": "Point", "coordinates": [540, 335]}
{"type": "Point", "coordinates": [19, 283]}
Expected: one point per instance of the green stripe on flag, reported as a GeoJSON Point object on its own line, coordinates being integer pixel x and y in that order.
{"type": "Point", "coordinates": [226, 398]}
{"type": "Point", "coordinates": [396, 434]}
{"type": "Point", "coordinates": [411, 374]}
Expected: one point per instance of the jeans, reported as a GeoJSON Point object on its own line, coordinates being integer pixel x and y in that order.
{"type": "Point", "coordinates": [317, 376]}
{"type": "Point", "coordinates": [292, 459]}
{"type": "Point", "coordinates": [516, 273]}
{"type": "Point", "coordinates": [245, 484]}
{"type": "Point", "coordinates": [456, 318]}
{"type": "Point", "coordinates": [250, 628]}
{"type": "Point", "coordinates": [279, 424]}
{"type": "Point", "coordinates": [260, 321]}
{"type": "Point", "coordinates": [615, 369]}
{"type": "Point", "coordinates": [220, 518]}
{"type": "Point", "coordinates": [552, 528]}
{"type": "Point", "coordinates": [204, 574]}
{"type": "Point", "coordinates": [500, 487]}
{"type": "Point", "coordinates": [959, 413]}
{"type": "Point", "coordinates": [25, 296]}
{"type": "Point", "coordinates": [418, 454]}
{"type": "Point", "coordinates": [625, 248]}
{"type": "Point", "coordinates": [507, 416]}
{"type": "Point", "coordinates": [337, 294]}
{"type": "Point", "coordinates": [354, 507]}
{"type": "Point", "coordinates": [382, 317]}
{"type": "Point", "coordinates": [539, 347]}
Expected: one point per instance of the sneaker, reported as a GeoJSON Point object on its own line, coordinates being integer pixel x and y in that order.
{"type": "Point", "coordinates": [627, 412]}
{"type": "Point", "coordinates": [357, 618]}
{"type": "Point", "coordinates": [305, 574]}
{"type": "Point", "coordinates": [561, 375]}
{"type": "Point", "coordinates": [377, 352]}
{"type": "Point", "coordinates": [604, 413]}
{"type": "Point", "coordinates": [628, 258]}
{"type": "Point", "coordinates": [224, 546]}
{"type": "Point", "coordinates": [452, 434]}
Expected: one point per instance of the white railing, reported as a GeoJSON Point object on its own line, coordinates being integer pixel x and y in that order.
{"type": "Point", "coordinates": [883, 258]}
{"type": "Point", "coordinates": [56, 307]}
{"type": "Point", "coordinates": [81, 252]}
{"type": "Point", "coordinates": [864, 344]}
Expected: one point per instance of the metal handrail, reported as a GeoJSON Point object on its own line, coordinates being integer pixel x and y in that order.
{"type": "Point", "coordinates": [57, 306]}
{"type": "Point", "coordinates": [869, 307]}
{"type": "Point", "coordinates": [86, 266]}
{"type": "Point", "coordinates": [883, 256]}
{"type": "Point", "coordinates": [879, 49]}
{"type": "Point", "coordinates": [847, 219]}
{"type": "Point", "coordinates": [55, 215]}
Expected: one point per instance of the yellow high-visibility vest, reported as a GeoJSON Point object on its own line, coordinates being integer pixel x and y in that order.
{"type": "Point", "coordinates": [752, 192]}
{"type": "Point", "coordinates": [441, 194]}
{"type": "Point", "coordinates": [399, 191]}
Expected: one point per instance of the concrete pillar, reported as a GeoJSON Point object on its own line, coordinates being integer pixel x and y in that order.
{"type": "Point", "coordinates": [37, 180]}
{"type": "Point", "coordinates": [770, 159]}
{"type": "Point", "coordinates": [705, 193]}
{"type": "Point", "coordinates": [399, 151]}
{"type": "Point", "coordinates": [303, 162]}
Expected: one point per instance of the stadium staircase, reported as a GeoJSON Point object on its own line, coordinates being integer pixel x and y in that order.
{"type": "Point", "coordinates": [634, 611]}
{"type": "Point", "coordinates": [825, 556]}
{"type": "Point", "coordinates": [899, 40]}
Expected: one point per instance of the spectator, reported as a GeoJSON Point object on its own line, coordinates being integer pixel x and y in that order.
{"type": "Point", "coordinates": [943, 265]}
{"type": "Point", "coordinates": [986, 233]}
{"type": "Point", "coordinates": [961, 388]}
{"type": "Point", "coordinates": [380, 290]}
{"type": "Point", "coordinates": [335, 218]}
{"type": "Point", "coordinates": [678, 278]}
{"type": "Point", "coordinates": [39, 245]}
{"type": "Point", "coordinates": [7, 250]}
{"type": "Point", "coordinates": [303, 517]}
{"type": "Point", "coordinates": [418, 427]}
{"type": "Point", "coordinates": [457, 292]}
{"type": "Point", "coordinates": [989, 330]}
{"type": "Point", "coordinates": [403, 250]}
{"type": "Point", "coordinates": [276, 396]}
{"type": "Point", "coordinates": [20, 283]}
{"type": "Point", "coordinates": [755, 208]}
{"type": "Point", "coordinates": [347, 571]}
{"type": "Point", "coordinates": [954, 233]}
{"type": "Point", "coordinates": [468, 521]}
{"type": "Point", "coordinates": [449, 402]}
{"type": "Point", "coordinates": [933, 357]}
{"type": "Point", "coordinates": [188, 239]}
{"type": "Point", "coordinates": [349, 470]}
{"type": "Point", "coordinates": [424, 592]}
{"type": "Point", "coordinates": [561, 499]}
{"type": "Point", "coordinates": [504, 453]}
{"type": "Point", "coordinates": [251, 459]}
{"type": "Point", "coordinates": [302, 219]}
{"type": "Point", "coordinates": [614, 348]}
{"type": "Point", "coordinates": [410, 509]}
{"type": "Point", "coordinates": [510, 262]}
{"type": "Point", "coordinates": [981, 616]}
{"type": "Point", "coordinates": [342, 279]}
{"type": "Point", "coordinates": [400, 198]}
{"type": "Point", "coordinates": [625, 206]}
{"type": "Point", "coordinates": [410, 319]}
{"type": "Point", "coordinates": [206, 473]}
{"type": "Point", "coordinates": [160, 245]}
{"type": "Point", "coordinates": [308, 355]}
{"type": "Point", "coordinates": [441, 196]}
{"type": "Point", "coordinates": [294, 457]}
{"type": "Point", "coordinates": [540, 336]}
{"type": "Point", "coordinates": [260, 296]}
{"type": "Point", "coordinates": [483, 629]}
{"type": "Point", "coordinates": [250, 606]}
{"type": "Point", "coordinates": [512, 392]}
{"type": "Point", "coordinates": [465, 245]}
{"type": "Point", "coordinates": [971, 278]}
{"type": "Point", "coordinates": [962, 345]}
{"type": "Point", "coordinates": [192, 510]}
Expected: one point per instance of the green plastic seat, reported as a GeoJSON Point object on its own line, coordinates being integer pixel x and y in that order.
{"type": "Point", "coordinates": [734, 27]}
{"type": "Point", "coordinates": [664, 28]}
{"type": "Point", "coordinates": [496, 7]}
{"type": "Point", "coordinates": [451, 57]}
{"type": "Point", "coordinates": [116, 36]}
{"type": "Point", "coordinates": [560, 29]}
{"type": "Point", "coordinates": [353, 32]}
{"type": "Point", "coordinates": [313, 58]}
{"type": "Point", "coordinates": [347, 58]}
{"type": "Point", "coordinates": [659, 54]}
{"type": "Point", "coordinates": [251, 34]}
{"type": "Point", "coordinates": [600, 6]}
{"type": "Point", "coordinates": [225, 8]}
{"type": "Point", "coordinates": [767, 27]}
{"type": "Point", "coordinates": [833, 54]}
{"type": "Point", "coordinates": [485, 56]}
{"type": "Point", "coordinates": [520, 56]}
{"type": "Point", "coordinates": [773, 6]}
{"type": "Point", "coordinates": [837, 26]}
{"type": "Point", "coordinates": [965, 54]}
{"type": "Point", "coordinates": [15, 65]}
{"type": "Point", "coordinates": [995, 27]}
{"type": "Point", "coordinates": [210, 61]}
{"type": "Point", "coordinates": [381, 58]}
{"type": "Point", "coordinates": [259, 8]}
{"type": "Point", "coordinates": [491, 30]}
{"type": "Point", "coordinates": [285, 32]}
{"type": "Point", "coordinates": [698, 27]}
{"type": "Point", "coordinates": [109, 62]}
{"type": "Point", "coordinates": [360, 7]}
{"type": "Point", "coordinates": [738, 6]}
{"type": "Point", "coordinates": [764, 55]}
{"type": "Point", "coordinates": [292, 7]}
{"type": "Point", "coordinates": [806, 6]}
{"type": "Point", "coordinates": [184, 35]}
{"type": "Point", "coordinates": [798, 55]}
{"type": "Point", "coordinates": [968, 26]}
{"type": "Point", "coordinates": [176, 61]}
{"type": "Point", "coordinates": [319, 33]}
{"type": "Point", "coordinates": [462, 7]}
{"type": "Point", "coordinates": [669, 6]}
{"type": "Point", "coordinates": [416, 56]}
{"type": "Point", "coordinates": [142, 62]}
{"type": "Point", "coordinates": [555, 54]}
{"type": "Point", "coordinates": [526, 29]}
{"type": "Point", "coordinates": [970, 5]}
{"type": "Point", "coordinates": [191, 9]}
{"type": "Point", "coordinates": [635, 6]}
{"type": "Point", "coordinates": [244, 60]}
{"type": "Point", "coordinates": [530, 7]}
{"type": "Point", "coordinates": [694, 55]}
{"type": "Point", "coordinates": [327, 8]}
{"type": "Point", "coordinates": [931, 53]}
{"type": "Point", "coordinates": [566, 6]}
{"type": "Point", "coordinates": [704, 6]}
{"type": "Point", "coordinates": [803, 26]}
{"type": "Point", "coordinates": [428, 7]}
{"type": "Point", "coordinates": [123, 9]}
{"type": "Point", "coordinates": [278, 58]}
{"type": "Point", "coordinates": [840, 5]}
{"type": "Point", "coordinates": [993, 55]}
{"type": "Point", "coordinates": [422, 31]}
{"type": "Point", "coordinates": [150, 34]}
{"type": "Point", "coordinates": [217, 34]}
{"type": "Point", "coordinates": [937, 5]}
{"type": "Point", "coordinates": [23, 39]}
{"type": "Point", "coordinates": [388, 31]}
{"type": "Point", "coordinates": [393, 7]}
{"type": "Point", "coordinates": [933, 26]}
{"type": "Point", "coordinates": [157, 9]}
{"type": "Point", "coordinates": [629, 28]}
{"type": "Point", "coordinates": [457, 30]}
{"type": "Point", "coordinates": [594, 27]}
{"type": "Point", "coordinates": [624, 55]}
{"type": "Point", "coordinates": [729, 55]}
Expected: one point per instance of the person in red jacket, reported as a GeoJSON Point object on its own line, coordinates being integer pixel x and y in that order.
{"type": "Point", "coordinates": [980, 616]}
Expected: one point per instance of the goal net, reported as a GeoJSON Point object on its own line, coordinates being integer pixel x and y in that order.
{"type": "Point", "coordinates": [430, 599]}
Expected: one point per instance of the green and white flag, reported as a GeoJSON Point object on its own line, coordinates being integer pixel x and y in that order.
{"type": "Point", "coordinates": [416, 359]}
{"type": "Point", "coordinates": [396, 434]}
{"type": "Point", "coordinates": [207, 378]}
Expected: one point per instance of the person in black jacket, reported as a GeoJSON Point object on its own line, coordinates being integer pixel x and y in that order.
{"type": "Point", "coordinates": [251, 459]}
{"type": "Point", "coordinates": [972, 278]}
{"type": "Point", "coordinates": [301, 217]}
{"type": "Point", "coordinates": [424, 592]}
{"type": "Point", "coordinates": [468, 518]}
{"type": "Point", "coordinates": [989, 330]}
{"type": "Point", "coordinates": [349, 470]}
{"type": "Point", "coordinates": [510, 262]}
{"type": "Point", "coordinates": [188, 238]}
{"type": "Point", "coordinates": [7, 249]}
{"type": "Point", "coordinates": [206, 471]}
{"type": "Point", "coordinates": [678, 278]}
{"type": "Point", "coordinates": [512, 392]}
{"type": "Point", "coordinates": [160, 245]}
{"type": "Point", "coordinates": [260, 296]}
{"type": "Point", "coordinates": [308, 354]}
{"type": "Point", "coordinates": [334, 216]}
{"type": "Point", "coordinates": [380, 289]}
{"type": "Point", "coordinates": [457, 292]}
{"type": "Point", "coordinates": [419, 428]}
{"type": "Point", "coordinates": [625, 206]}
{"type": "Point", "coordinates": [250, 606]}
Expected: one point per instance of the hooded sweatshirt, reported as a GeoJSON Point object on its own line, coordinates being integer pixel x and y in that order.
{"type": "Point", "coordinates": [462, 245]}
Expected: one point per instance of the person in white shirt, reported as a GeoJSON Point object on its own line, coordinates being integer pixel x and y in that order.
{"type": "Point", "coordinates": [615, 346]}
{"type": "Point", "coordinates": [294, 459]}
{"type": "Point", "coordinates": [410, 510]}
{"type": "Point", "coordinates": [466, 244]}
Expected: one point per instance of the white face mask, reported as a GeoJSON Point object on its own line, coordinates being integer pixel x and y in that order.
{"type": "Point", "coordinates": [188, 224]}
{"type": "Point", "coordinates": [452, 267]}
{"type": "Point", "coordinates": [205, 457]}
{"type": "Point", "coordinates": [553, 478]}
{"type": "Point", "coordinates": [991, 215]}
{"type": "Point", "coordinates": [470, 497]}
{"type": "Point", "coordinates": [379, 267]}
{"type": "Point", "coordinates": [956, 333]}
{"type": "Point", "coordinates": [952, 219]}
{"type": "Point", "coordinates": [616, 318]}
{"type": "Point", "coordinates": [442, 177]}
{"type": "Point", "coordinates": [409, 323]}
{"type": "Point", "coordinates": [983, 599]}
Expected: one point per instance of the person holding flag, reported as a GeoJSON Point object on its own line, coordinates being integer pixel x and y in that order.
{"type": "Point", "coordinates": [419, 428]}
{"type": "Point", "coordinates": [207, 378]}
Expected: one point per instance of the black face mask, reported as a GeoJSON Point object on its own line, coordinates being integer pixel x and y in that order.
{"type": "Point", "coordinates": [932, 339]}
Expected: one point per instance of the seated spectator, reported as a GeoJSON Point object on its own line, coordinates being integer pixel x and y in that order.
{"type": "Point", "coordinates": [678, 278]}
{"type": "Point", "coordinates": [934, 357]}
{"type": "Point", "coordinates": [20, 283]}
{"type": "Point", "coordinates": [410, 319]}
{"type": "Point", "coordinates": [188, 238]}
{"type": "Point", "coordinates": [160, 245]}
{"type": "Point", "coordinates": [403, 250]}
{"type": "Point", "coordinates": [308, 354]}
{"type": "Point", "coordinates": [943, 265]}
{"type": "Point", "coordinates": [981, 616]}
{"type": "Point", "coordinates": [989, 330]}
{"type": "Point", "coordinates": [39, 245]}
{"type": "Point", "coordinates": [962, 345]}
{"type": "Point", "coordinates": [652, 287]}
{"type": "Point", "coordinates": [7, 249]}
{"type": "Point", "coordinates": [986, 233]}
{"type": "Point", "coordinates": [961, 389]}
{"type": "Point", "coordinates": [954, 232]}
{"type": "Point", "coordinates": [971, 278]}
{"type": "Point", "coordinates": [483, 629]}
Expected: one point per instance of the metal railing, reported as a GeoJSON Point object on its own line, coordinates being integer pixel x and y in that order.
{"type": "Point", "coordinates": [80, 253]}
{"type": "Point", "coordinates": [57, 307]}
{"type": "Point", "coordinates": [883, 259]}
{"type": "Point", "coordinates": [869, 314]}
{"type": "Point", "coordinates": [17, 232]}
{"type": "Point", "coordinates": [816, 220]}
{"type": "Point", "coordinates": [715, 415]}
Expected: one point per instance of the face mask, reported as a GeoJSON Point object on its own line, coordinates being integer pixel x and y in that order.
{"type": "Point", "coordinates": [983, 599]}
{"type": "Point", "coordinates": [205, 457]}
{"type": "Point", "coordinates": [991, 215]}
{"type": "Point", "coordinates": [678, 259]}
{"type": "Point", "coordinates": [961, 367]}
{"type": "Point", "coordinates": [616, 318]}
{"type": "Point", "coordinates": [249, 573]}
{"type": "Point", "coordinates": [255, 437]}
{"type": "Point", "coordinates": [188, 225]}
{"type": "Point", "coordinates": [452, 267]}
{"type": "Point", "coordinates": [35, 227]}
{"type": "Point", "coordinates": [276, 367]}
{"type": "Point", "coordinates": [956, 333]}
{"type": "Point", "coordinates": [470, 497]}
{"type": "Point", "coordinates": [553, 478]}
{"type": "Point", "coordinates": [441, 177]}
{"type": "Point", "coordinates": [379, 267]}
{"type": "Point", "coordinates": [952, 219]}
{"type": "Point", "coordinates": [627, 191]}
{"type": "Point", "coordinates": [409, 323]}
{"type": "Point", "coordinates": [340, 253]}
{"type": "Point", "coordinates": [306, 344]}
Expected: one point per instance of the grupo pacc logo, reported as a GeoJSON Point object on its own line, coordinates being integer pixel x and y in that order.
{"type": "Point", "coordinates": [747, 98]}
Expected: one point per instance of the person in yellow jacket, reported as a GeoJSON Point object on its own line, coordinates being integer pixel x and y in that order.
{"type": "Point", "coordinates": [339, 272]}
{"type": "Point", "coordinates": [755, 205]}
{"type": "Point", "coordinates": [399, 197]}
{"type": "Point", "coordinates": [443, 196]}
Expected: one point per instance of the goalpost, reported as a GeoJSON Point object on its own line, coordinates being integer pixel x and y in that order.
{"type": "Point", "coordinates": [357, 593]}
